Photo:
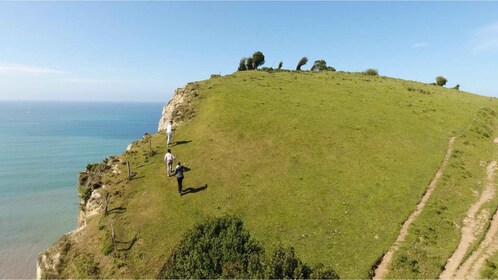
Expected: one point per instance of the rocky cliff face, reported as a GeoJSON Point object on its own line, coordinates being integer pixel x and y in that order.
{"type": "Point", "coordinates": [180, 108]}
{"type": "Point", "coordinates": [92, 190]}
{"type": "Point", "coordinates": [92, 201]}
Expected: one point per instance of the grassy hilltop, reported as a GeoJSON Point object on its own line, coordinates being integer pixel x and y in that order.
{"type": "Point", "coordinates": [330, 163]}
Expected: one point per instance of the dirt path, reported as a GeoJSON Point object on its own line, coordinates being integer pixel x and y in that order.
{"type": "Point", "coordinates": [382, 269]}
{"type": "Point", "coordinates": [473, 225]}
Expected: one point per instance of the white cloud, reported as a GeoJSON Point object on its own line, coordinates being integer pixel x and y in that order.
{"type": "Point", "coordinates": [11, 68]}
{"type": "Point", "coordinates": [420, 45]}
{"type": "Point", "coordinates": [485, 38]}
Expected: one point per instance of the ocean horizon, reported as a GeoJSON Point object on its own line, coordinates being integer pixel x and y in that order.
{"type": "Point", "coordinates": [44, 145]}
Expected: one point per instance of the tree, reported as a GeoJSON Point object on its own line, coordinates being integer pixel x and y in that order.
{"type": "Point", "coordinates": [242, 64]}
{"type": "Point", "coordinates": [258, 59]}
{"type": "Point", "coordinates": [301, 62]}
{"type": "Point", "coordinates": [249, 63]}
{"type": "Point", "coordinates": [441, 81]}
{"type": "Point", "coordinates": [280, 64]}
{"type": "Point", "coordinates": [457, 87]}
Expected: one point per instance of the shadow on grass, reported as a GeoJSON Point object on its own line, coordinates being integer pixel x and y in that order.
{"type": "Point", "coordinates": [136, 178]}
{"type": "Point", "coordinates": [194, 190]}
{"type": "Point", "coordinates": [129, 243]}
{"type": "Point", "coordinates": [117, 210]}
{"type": "Point", "coordinates": [182, 142]}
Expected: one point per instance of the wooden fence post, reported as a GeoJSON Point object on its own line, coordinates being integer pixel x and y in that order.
{"type": "Point", "coordinates": [150, 147]}
{"type": "Point", "coordinates": [113, 237]}
{"type": "Point", "coordinates": [129, 171]}
{"type": "Point", "coordinates": [107, 199]}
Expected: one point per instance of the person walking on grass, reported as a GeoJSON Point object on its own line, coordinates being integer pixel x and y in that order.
{"type": "Point", "coordinates": [169, 132]}
{"type": "Point", "coordinates": [179, 176]}
{"type": "Point", "coordinates": [169, 158]}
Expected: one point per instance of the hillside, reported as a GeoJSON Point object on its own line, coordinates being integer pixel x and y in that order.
{"type": "Point", "coordinates": [330, 163]}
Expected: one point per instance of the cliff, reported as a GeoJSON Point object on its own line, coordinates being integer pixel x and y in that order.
{"type": "Point", "coordinates": [94, 193]}
{"type": "Point", "coordinates": [180, 107]}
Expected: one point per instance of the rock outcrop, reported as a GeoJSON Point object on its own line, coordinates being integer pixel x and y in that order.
{"type": "Point", "coordinates": [92, 201]}
{"type": "Point", "coordinates": [180, 108]}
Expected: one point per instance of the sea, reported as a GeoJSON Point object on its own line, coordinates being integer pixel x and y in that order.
{"type": "Point", "coordinates": [43, 147]}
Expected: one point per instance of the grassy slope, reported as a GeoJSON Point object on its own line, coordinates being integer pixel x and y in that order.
{"type": "Point", "coordinates": [331, 163]}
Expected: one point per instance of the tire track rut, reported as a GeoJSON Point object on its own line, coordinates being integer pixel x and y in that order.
{"type": "Point", "coordinates": [382, 268]}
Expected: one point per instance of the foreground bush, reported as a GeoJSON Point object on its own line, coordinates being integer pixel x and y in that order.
{"type": "Point", "coordinates": [222, 248]}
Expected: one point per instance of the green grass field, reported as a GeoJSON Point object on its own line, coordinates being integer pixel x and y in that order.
{"type": "Point", "coordinates": [330, 163]}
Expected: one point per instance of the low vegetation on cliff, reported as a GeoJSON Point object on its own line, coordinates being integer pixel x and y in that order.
{"type": "Point", "coordinates": [329, 163]}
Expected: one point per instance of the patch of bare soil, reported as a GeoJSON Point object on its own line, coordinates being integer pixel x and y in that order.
{"type": "Point", "coordinates": [473, 225]}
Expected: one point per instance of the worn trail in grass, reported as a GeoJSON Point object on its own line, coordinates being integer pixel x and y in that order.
{"type": "Point", "coordinates": [472, 224]}
{"type": "Point", "coordinates": [382, 269]}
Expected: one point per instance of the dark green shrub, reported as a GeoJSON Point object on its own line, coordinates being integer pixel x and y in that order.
{"type": "Point", "coordinates": [457, 87]}
{"type": "Point", "coordinates": [280, 64]}
{"type": "Point", "coordinates": [258, 59]}
{"type": "Point", "coordinates": [91, 166]}
{"type": "Point", "coordinates": [371, 72]}
{"type": "Point", "coordinates": [441, 81]}
{"type": "Point", "coordinates": [283, 264]}
{"type": "Point", "coordinates": [84, 192]}
{"type": "Point", "coordinates": [222, 248]}
{"type": "Point", "coordinates": [321, 65]}
{"type": "Point", "coordinates": [218, 247]}
{"type": "Point", "coordinates": [301, 62]}
{"type": "Point", "coordinates": [249, 63]}
{"type": "Point", "coordinates": [322, 272]}
{"type": "Point", "coordinates": [242, 64]}
{"type": "Point", "coordinates": [214, 76]}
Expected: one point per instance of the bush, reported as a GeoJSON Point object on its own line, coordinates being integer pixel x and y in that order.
{"type": "Point", "coordinates": [322, 272]}
{"type": "Point", "coordinates": [283, 264]}
{"type": "Point", "coordinates": [218, 247]}
{"type": "Point", "coordinates": [91, 166]}
{"type": "Point", "coordinates": [242, 64]}
{"type": "Point", "coordinates": [280, 64]}
{"type": "Point", "coordinates": [84, 192]}
{"type": "Point", "coordinates": [371, 72]}
{"type": "Point", "coordinates": [301, 62]}
{"type": "Point", "coordinates": [441, 81]}
{"type": "Point", "coordinates": [222, 248]}
{"type": "Point", "coordinates": [249, 63]}
{"type": "Point", "coordinates": [457, 87]}
{"type": "Point", "coordinates": [321, 65]}
{"type": "Point", "coordinates": [214, 76]}
{"type": "Point", "coordinates": [258, 59]}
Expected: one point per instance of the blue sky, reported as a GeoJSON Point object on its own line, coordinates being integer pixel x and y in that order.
{"type": "Point", "coordinates": [142, 51]}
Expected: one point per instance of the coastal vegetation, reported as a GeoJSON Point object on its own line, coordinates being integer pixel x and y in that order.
{"type": "Point", "coordinates": [328, 163]}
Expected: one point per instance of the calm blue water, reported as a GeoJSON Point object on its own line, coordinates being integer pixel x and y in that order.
{"type": "Point", "coordinates": [43, 146]}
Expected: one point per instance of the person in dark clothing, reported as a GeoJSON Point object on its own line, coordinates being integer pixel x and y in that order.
{"type": "Point", "coordinates": [179, 176]}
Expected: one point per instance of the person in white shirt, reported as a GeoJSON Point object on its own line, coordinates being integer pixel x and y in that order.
{"type": "Point", "coordinates": [169, 158]}
{"type": "Point", "coordinates": [169, 132]}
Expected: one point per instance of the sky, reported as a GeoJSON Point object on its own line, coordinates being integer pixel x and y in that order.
{"type": "Point", "coordinates": [142, 51]}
